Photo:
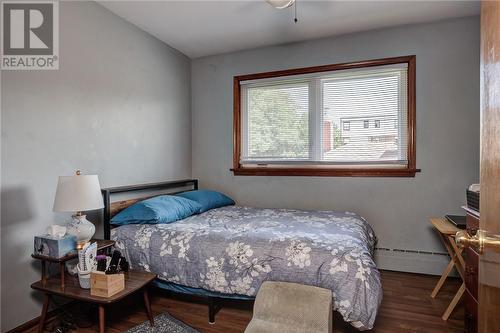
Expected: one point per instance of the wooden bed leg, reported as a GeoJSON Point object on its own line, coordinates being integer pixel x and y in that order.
{"type": "Point", "coordinates": [213, 308]}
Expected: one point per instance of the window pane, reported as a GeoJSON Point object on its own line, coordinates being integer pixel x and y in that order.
{"type": "Point", "coordinates": [372, 106]}
{"type": "Point", "coordinates": [346, 125]}
{"type": "Point", "coordinates": [278, 122]}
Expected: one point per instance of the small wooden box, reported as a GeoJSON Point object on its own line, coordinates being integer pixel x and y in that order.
{"type": "Point", "coordinates": [106, 285]}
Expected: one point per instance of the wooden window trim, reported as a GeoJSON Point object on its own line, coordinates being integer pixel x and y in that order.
{"type": "Point", "coordinates": [408, 171]}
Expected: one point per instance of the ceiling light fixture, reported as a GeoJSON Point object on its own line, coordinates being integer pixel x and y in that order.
{"type": "Point", "coordinates": [282, 4]}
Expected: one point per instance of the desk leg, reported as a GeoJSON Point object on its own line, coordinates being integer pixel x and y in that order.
{"type": "Point", "coordinates": [446, 272]}
{"type": "Point", "coordinates": [102, 318]}
{"type": "Point", "coordinates": [455, 253]}
{"type": "Point", "coordinates": [43, 316]}
{"type": "Point", "coordinates": [443, 278]}
{"type": "Point", "coordinates": [454, 302]}
{"type": "Point", "coordinates": [458, 252]}
{"type": "Point", "coordinates": [148, 307]}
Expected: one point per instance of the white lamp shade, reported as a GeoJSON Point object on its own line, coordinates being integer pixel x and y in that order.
{"type": "Point", "coordinates": [78, 193]}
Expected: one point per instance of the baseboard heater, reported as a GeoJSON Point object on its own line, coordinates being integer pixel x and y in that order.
{"type": "Point", "coordinates": [412, 261]}
{"type": "Point", "coordinates": [411, 251]}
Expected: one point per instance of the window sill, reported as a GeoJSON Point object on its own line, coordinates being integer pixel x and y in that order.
{"type": "Point", "coordinates": [317, 172]}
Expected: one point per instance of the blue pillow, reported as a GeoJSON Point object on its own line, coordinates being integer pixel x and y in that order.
{"type": "Point", "coordinates": [208, 199]}
{"type": "Point", "coordinates": [161, 209]}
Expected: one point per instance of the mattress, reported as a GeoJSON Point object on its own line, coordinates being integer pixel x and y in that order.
{"type": "Point", "coordinates": [232, 250]}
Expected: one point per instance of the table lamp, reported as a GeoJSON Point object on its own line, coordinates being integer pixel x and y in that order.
{"type": "Point", "coordinates": [77, 194]}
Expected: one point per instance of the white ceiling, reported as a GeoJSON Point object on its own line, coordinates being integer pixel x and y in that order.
{"type": "Point", "coordinates": [201, 28]}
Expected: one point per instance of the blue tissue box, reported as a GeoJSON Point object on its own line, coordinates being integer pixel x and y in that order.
{"type": "Point", "coordinates": [50, 246]}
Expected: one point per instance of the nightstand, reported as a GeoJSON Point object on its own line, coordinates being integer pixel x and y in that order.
{"type": "Point", "coordinates": [134, 282]}
{"type": "Point", "coordinates": [101, 246]}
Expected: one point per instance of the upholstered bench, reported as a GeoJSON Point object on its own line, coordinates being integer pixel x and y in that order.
{"type": "Point", "coordinates": [292, 308]}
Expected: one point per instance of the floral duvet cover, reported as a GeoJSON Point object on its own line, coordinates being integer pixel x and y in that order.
{"type": "Point", "coordinates": [234, 249]}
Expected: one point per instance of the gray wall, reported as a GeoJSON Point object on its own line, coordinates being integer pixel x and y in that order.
{"type": "Point", "coordinates": [447, 56]}
{"type": "Point", "coordinates": [119, 107]}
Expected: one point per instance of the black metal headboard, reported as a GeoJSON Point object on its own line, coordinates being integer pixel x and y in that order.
{"type": "Point", "coordinates": [106, 194]}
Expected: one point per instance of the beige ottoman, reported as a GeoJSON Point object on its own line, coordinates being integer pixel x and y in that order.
{"type": "Point", "coordinates": [291, 307]}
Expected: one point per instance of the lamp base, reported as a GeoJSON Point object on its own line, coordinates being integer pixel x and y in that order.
{"type": "Point", "coordinates": [82, 228]}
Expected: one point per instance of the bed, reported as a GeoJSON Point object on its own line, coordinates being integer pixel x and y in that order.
{"type": "Point", "coordinates": [228, 252]}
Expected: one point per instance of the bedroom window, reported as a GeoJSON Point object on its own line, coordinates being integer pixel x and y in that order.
{"type": "Point", "coordinates": [353, 119]}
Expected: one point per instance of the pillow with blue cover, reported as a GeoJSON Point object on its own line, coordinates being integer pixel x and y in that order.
{"type": "Point", "coordinates": [160, 209]}
{"type": "Point", "coordinates": [208, 199]}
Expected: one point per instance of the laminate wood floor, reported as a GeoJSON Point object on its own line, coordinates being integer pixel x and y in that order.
{"type": "Point", "coordinates": [406, 307]}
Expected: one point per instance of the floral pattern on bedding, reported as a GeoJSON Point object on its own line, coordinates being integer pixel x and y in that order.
{"type": "Point", "coordinates": [234, 249]}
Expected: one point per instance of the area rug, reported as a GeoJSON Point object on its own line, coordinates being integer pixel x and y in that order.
{"type": "Point", "coordinates": [164, 323]}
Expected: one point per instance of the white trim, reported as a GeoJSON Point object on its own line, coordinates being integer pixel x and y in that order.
{"type": "Point", "coordinates": [315, 116]}
{"type": "Point", "coordinates": [244, 122]}
{"type": "Point", "coordinates": [403, 109]}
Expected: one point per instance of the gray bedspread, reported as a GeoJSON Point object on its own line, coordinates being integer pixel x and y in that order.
{"type": "Point", "coordinates": [234, 249]}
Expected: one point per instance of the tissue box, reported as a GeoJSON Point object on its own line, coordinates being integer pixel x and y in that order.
{"type": "Point", "coordinates": [106, 285]}
{"type": "Point", "coordinates": [51, 246]}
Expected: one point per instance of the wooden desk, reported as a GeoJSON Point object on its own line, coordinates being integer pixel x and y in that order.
{"type": "Point", "coordinates": [446, 231]}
